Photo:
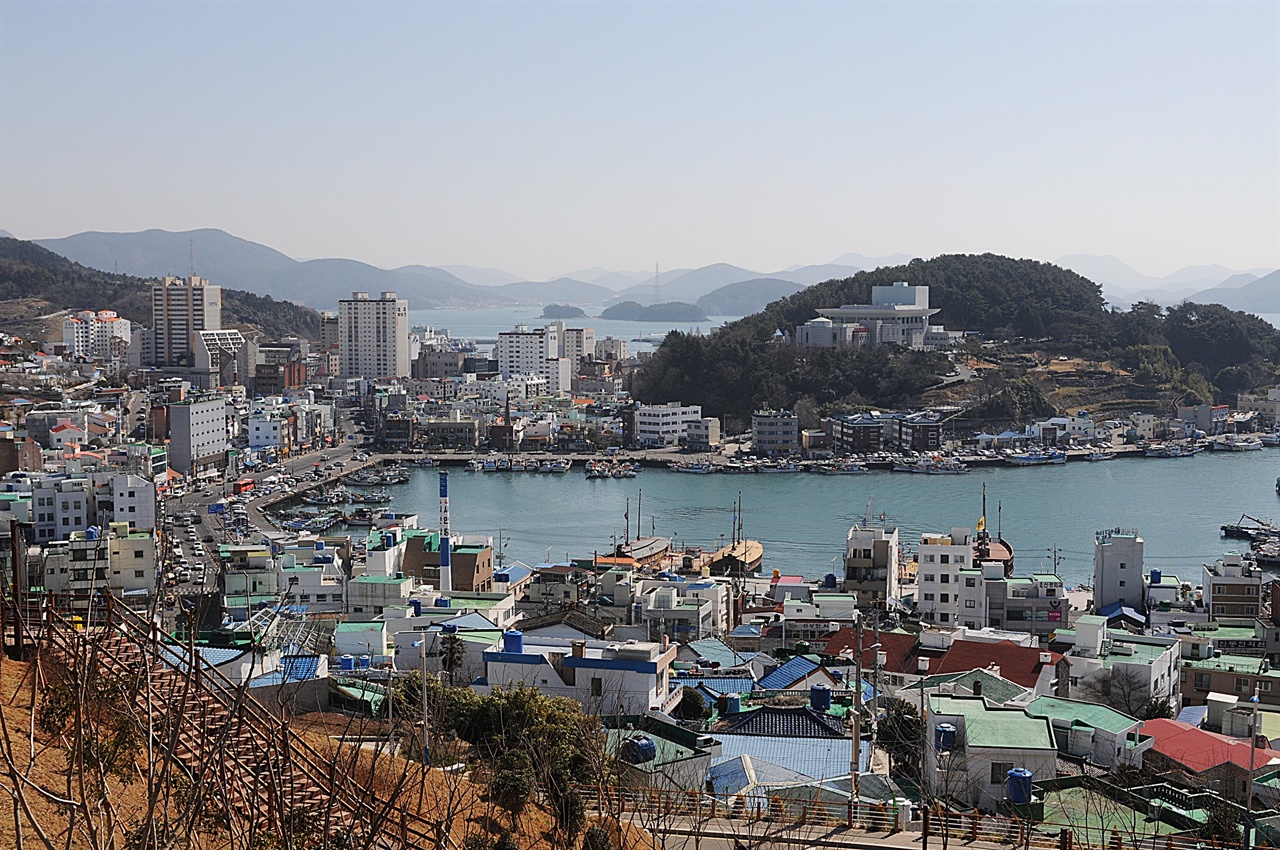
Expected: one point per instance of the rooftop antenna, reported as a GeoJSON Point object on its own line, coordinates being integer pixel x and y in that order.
{"type": "Point", "coordinates": [868, 516]}
{"type": "Point", "coordinates": [657, 285]}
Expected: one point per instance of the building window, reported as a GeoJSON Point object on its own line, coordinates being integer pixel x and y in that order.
{"type": "Point", "coordinates": [946, 597]}
{"type": "Point", "coordinates": [928, 576]}
{"type": "Point", "coordinates": [969, 582]}
{"type": "Point", "coordinates": [1122, 584]}
{"type": "Point", "coordinates": [1000, 771]}
{"type": "Point", "coordinates": [944, 559]}
{"type": "Point", "coordinates": [945, 578]}
{"type": "Point", "coordinates": [597, 686]}
{"type": "Point", "coordinates": [139, 574]}
{"type": "Point", "coordinates": [1242, 685]}
{"type": "Point", "coordinates": [928, 597]}
{"type": "Point", "coordinates": [969, 603]}
{"type": "Point", "coordinates": [137, 553]}
{"type": "Point", "coordinates": [944, 618]}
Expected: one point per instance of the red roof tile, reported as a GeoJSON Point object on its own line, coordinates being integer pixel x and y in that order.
{"type": "Point", "coordinates": [1018, 664]}
{"type": "Point", "coordinates": [1198, 750]}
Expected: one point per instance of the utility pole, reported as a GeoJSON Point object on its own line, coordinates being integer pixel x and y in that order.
{"type": "Point", "coordinates": [855, 762]}
{"type": "Point", "coordinates": [1253, 753]}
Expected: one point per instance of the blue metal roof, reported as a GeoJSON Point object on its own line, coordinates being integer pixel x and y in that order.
{"type": "Point", "coordinates": [718, 684]}
{"type": "Point", "coordinates": [1193, 714]}
{"type": "Point", "coordinates": [746, 630]}
{"type": "Point", "coordinates": [467, 622]}
{"type": "Point", "coordinates": [816, 757]}
{"type": "Point", "coordinates": [512, 574]}
{"type": "Point", "coordinates": [743, 772]}
{"type": "Point", "coordinates": [788, 674]}
{"type": "Point", "coordinates": [1117, 609]}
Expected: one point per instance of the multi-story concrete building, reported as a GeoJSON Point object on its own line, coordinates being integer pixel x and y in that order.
{"type": "Point", "coordinates": [181, 308]}
{"type": "Point", "coordinates": [664, 424]}
{"type": "Point", "coordinates": [898, 314]}
{"type": "Point", "coordinates": [198, 437]}
{"type": "Point", "coordinates": [703, 435]}
{"type": "Point", "coordinates": [775, 432]}
{"type": "Point", "coordinates": [871, 568]}
{"type": "Point", "coordinates": [96, 561]}
{"type": "Point", "coordinates": [1232, 588]}
{"type": "Point", "coordinates": [1117, 569]}
{"type": "Point", "coordinates": [1209, 418]}
{"type": "Point", "coordinates": [100, 334]}
{"type": "Point", "coordinates": [611, 349]}
{"type": "Point", "coordinates": [1266, 406]}
{"type": "Point", "coordinates": [577, 343]}
{"type": "Point", "coordinates": [373, 336]}
{"type": "Point", "coordinates": [536, 352]}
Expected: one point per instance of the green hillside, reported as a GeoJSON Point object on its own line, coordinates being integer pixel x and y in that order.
{"type": "Point", "coordinates": [30, 272]}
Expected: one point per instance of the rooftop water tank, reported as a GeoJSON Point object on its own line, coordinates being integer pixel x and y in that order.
{"type": "Point", "coordinates": [348, 663]}
{"type": "Point", "coordinates": [364, 662]}
{"type": "Point", "coordinates": [388, 540]}
{"type": "Point", "coordinates": [829, 580]}
{"type": "Point", "coordinates": [450, 628]}
{"type": "Point", "coordinates": [639, 749]}
{"type": "Point", "coordinates": [442, 602]}
{"type": "Point", "coordinates": [319, 545]}
{"type": "Point", "coordinates": [1156, 576]}
{"type": "Point", "coordinates": [513, 641]}
{"type": "Point", "coordinates": [944, 737]}
{"type": "Point", "coordinates": [820, 698]}
{"type": "Point", "coordinates": [1019, 781]}
{"type": "Point", "coordinates": [91, 533]}
{"type": "Point", "coordinates": [733, 703]}
{"type": "Point", "coordinates": [416, 605]}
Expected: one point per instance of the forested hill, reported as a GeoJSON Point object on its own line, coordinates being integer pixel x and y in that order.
{"type": "Point", "coordinates": [979, 292]}
{"type": "Point", "coordinates": [30, 272]}
{"type": "Point", "coordinates": [1196, 352]}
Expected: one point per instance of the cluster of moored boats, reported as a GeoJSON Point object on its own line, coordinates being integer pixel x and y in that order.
{"type": "Point", "coordinates": [377, 478]}
{"type": "Point", "coordinates": [520, 464]}
{"type": "Point", "coordinates": [612, 469]}
{"type": "Point", "coordinates": [1263, 536]}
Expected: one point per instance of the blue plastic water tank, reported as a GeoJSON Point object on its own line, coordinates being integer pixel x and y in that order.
{"type": "Point", "coordinates": [319, 545]}
{"type": "Point", "coordinates": [1156, 576]}
{"type": "Point", "coordinates": [388, 540]}
{"type": "Point", "coordinates": [829, 580]}
{"type": "Point", "coordinates": [513, 641]}
{"type": "Point", "coordinates": [639, 749]}
{"type": "Point", "coordinates": [416, 605]}
{"type": "Point", "coordinates": [442, 602]}
{"type": "Point", "coordinates": [733, 704]}
{"type": "Point", "coordinates": [1019, 780]}
{"type": "Point", "coordinates": [348, 663]}
{"type": "Point", "coordinates": [944, 737]}
{"type": "Point", "coordinates": [450, 628]}
{"type": "Point", "coordinates": [91, 533]}
{"type": "Point", "coordinates": [364, 662]}
{"type": "Point", "coordinates": [820, 698]}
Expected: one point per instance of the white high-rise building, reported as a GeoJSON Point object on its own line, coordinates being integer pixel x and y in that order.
{"type": "Point", "coordinates": [373, 336]}
{"type": "Point", "coordinates": [198, 437]}
{"type": "Point", "coordinates": [181, 308]}
{"type": "Point", "coordinates": [1117, 569]}
{"type": "Point", "coordinates": [540, 352]}
{"type": "Point", "coordinates": [89, 334]}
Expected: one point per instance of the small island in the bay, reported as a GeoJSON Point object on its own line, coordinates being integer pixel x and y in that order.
{"type": "Point", "coordinates": [561, 311]}
{"type": "Point", "coordinates": [671, 311]}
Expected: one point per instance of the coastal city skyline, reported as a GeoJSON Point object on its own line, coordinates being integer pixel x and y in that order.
{"type": "Point", "coordinates": [512, 136]}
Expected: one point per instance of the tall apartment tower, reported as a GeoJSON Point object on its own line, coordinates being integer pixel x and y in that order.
{"type": "Point", "coordinates": [181, 308]}
{"type": "Point", "coordinates": [1117, 569]}
{"type": "Point", "coordinates": [373, 336]}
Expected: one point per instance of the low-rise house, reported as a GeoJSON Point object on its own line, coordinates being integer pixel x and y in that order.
{"type": "Point", "coordinates": [607, 678]}
{"type": "Point", "coordinates": [1206, 758]}
{"type": "Point", "coordinates": [651, 753]}
{"type": "Point", "coordinates": [1126, 671]}
{"type": "Point", "coordinates": [799, 674]}
{"type": "Point", "coordinates": [1097, 733]}
{"type": "Point", "coordinates": [1232, 588]}
{"type": "Point", "coordinates": [985, 744]}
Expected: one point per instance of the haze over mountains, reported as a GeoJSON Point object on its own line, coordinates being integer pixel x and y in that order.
{"type": "Point", "coordinates": [719, 289]}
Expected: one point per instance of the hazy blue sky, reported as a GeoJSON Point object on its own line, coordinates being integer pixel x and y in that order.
{"type": "Point", "coordinates": [540, 138]}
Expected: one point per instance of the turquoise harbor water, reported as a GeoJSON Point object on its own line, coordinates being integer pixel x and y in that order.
{"type": "Point", "coordinates": [802, 519]}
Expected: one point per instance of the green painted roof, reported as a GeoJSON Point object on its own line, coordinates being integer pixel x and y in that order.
{"type": "Point", "coordinates": [379, 580]}
{"type": "Point", "coordinates": [1084, 713]}
{"type": "Point", "coordinates": [360, 627]}
{"type": "Point", "coordinates": [995, 727]}
{"type": "Point", "coordinates": [1245, 665]}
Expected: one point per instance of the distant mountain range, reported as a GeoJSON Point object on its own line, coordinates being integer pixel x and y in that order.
{"type": "Point", "coordinates": [237, 263]}
{"type": "Point", "coordinates": [1124, 286]}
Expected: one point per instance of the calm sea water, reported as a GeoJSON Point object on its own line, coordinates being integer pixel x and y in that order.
{"type": "Point", "coordinates": [802, 519]}
{"type": "Point", "coordinates": [487, 323]}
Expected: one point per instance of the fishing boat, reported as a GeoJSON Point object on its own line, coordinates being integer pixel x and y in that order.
{"type": "Point", "coordinates": [377, 497]}
{"type": "Point", "coordinates": [1039, 457]}
{"type": "Point", "coordinates": [945, 466]}
{"type": "Point", "coordinates": [504, 464]}
{"type": "Point", "coordinates": [475, 465]}
{"type": "Point", "coordinates": [360, 516]}
{"type": "Point", "coordinates": [840, 467]}
{"type": "Point", "coordinates": [561, 465]}
{"type": "Point", "coordinates": [691, 467]}
{"type": "Point", "coordinates": [1272, 439]}
{"type": "Point", "coordinates": [1168, 450]}
{"type": "Point", "coordinates": [785, 466]}
{"type": "Point", "coordinates": [425, 462]}
{"type": "Point", "coordinates": [1099, 455]}
{"type": "Point", "coordinates": [517, 464]}
{"type": "Point", "coordinates": [1235, 443]}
